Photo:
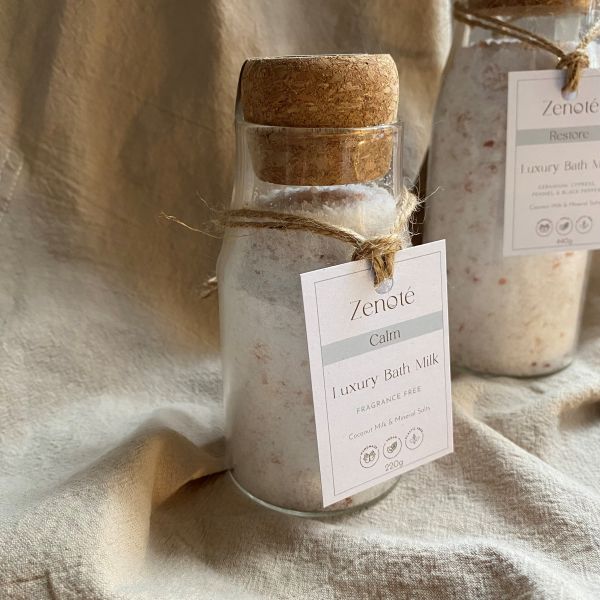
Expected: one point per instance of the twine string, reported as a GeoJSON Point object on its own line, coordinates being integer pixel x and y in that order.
{"type": "Point", "coordinates": [379, 250]}
{"type": "Point", "coordinates": [573, 62]}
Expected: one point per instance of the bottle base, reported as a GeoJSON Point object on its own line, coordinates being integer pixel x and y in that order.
{"type": "Point", "coordinates": [317, 514]}
{"type": "Point", "coordinates": [542, 371]}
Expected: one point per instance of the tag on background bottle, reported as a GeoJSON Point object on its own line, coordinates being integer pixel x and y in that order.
{"type": "Point", "coordinates": [552, 193]}
{"type": "Point", "coordinates": [380, 369]}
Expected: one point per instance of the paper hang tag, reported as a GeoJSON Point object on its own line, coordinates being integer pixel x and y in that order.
{"type": "Point", "coordinates": [380, 369]}
{"type": "Point", "coordinates": [552, 189]}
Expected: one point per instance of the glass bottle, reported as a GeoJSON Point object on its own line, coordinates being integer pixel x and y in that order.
{"type": "Point", "coordinates": [346, 176]}
{"type": "Point", "coordinates": [517, 316]}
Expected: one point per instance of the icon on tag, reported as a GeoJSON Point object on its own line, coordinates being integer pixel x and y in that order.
{"type": "Point", "coordinates": [584, 224]}
{"type": "Point", "coordinates": [414, 438]}
{"type": "Point", "coordinates": [544, 227]}
{"type": "Point", "coordinates": [564, 226]}
{"type": "Point", "coordinates": [369, 456]}
{"type": "Point", "coordinates": [392, 447]}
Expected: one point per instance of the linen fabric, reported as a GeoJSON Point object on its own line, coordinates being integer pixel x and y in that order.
{"type": "Point", "coordinates": [111, 452]}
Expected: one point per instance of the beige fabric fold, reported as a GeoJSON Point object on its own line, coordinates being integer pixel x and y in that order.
{"type": "Point", "coordinates": [110, 418]}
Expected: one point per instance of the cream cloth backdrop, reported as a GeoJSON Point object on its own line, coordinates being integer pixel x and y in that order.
{"type": "Point", "coordinates": [110, 417]}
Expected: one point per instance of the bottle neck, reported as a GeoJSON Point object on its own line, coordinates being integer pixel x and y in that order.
{"type": "Point", "coordinates": [272, 159]}
{"type": "Point", "coordinates": [560, 26]}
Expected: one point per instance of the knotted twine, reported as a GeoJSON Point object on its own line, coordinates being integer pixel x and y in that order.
{"type": "Point", "coordinates": [378, 250]}
{"type": "Point", "coordinates": [574, 62]}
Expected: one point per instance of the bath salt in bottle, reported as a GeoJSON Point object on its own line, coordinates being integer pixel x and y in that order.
{"type": "Point", "coordinates": [517, 315]}
{"type": "Point", "coordinates": [316, 136]}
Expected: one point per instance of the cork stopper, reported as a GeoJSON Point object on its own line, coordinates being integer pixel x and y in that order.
{"type": "Point", "coordinates": [551, 5]}
{"type": "Point", "coordinates": [312, 98]}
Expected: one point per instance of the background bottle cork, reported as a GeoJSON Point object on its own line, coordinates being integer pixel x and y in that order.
{"type": "Point", "coordinates": [308, 107]}
{"type": "Point", "coordinates": [553, 5]}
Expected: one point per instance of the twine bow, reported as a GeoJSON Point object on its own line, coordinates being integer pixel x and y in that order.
{"type": "Point", "coordinates": [379, 250]}
{"type": "Point", "coordinates": [573, 62]}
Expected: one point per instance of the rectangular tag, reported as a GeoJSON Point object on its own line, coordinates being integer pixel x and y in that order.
{"type": "Point", "coordinates": [552, 193]}
{"type": "Point", "coordinates": [380, 369]}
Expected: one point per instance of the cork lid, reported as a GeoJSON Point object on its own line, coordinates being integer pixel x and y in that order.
{"type": "Point", "coordinates": [306, 93]}
{"type": "Point", "coordinates": [554, 5]}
